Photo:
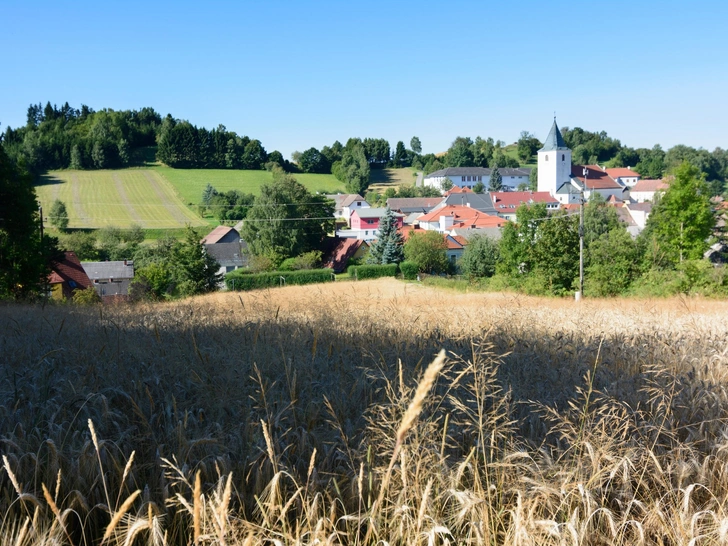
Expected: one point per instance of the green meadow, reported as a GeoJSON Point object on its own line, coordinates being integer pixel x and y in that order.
{"type": "Point", "coordinates": [190, 183]}
{"type": "Point", "coordinates": [96, 199]}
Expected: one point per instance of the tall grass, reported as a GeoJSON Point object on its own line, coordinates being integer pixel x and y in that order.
{"type": "Point", "coordinates": [310, 415]}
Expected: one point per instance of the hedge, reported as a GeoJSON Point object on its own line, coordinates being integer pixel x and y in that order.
{"type": "Point", "coordinates": [239, 280]}
{"type": "Point", "coordinates": [409, 270]}
{"type": "Point", "coordinates": [361, 272]}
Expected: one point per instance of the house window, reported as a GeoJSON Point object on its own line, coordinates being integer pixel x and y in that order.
{"type": "Point", "coordinates": [358, 203]}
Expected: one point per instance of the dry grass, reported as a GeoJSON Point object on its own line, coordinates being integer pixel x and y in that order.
{"type": "Point", "coordinates": [293, 416]}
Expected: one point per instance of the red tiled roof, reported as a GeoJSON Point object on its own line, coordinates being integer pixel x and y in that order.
{"type": "Point", "coordinates": [511, 200]}
{"type": "Point", "coordinates": [597, 179]}
{"type": "Point", "coordinates": [649, 185]}
{"type": "Point", "coordinates": [457, 189]}
{"type": "Point", "coordinates": [463, 217]}
{"type": "Point", "coordinates": [452, 243]}
{"type": "Point", "coordinates": [215, 235]}
{"type": "Point", "coordinates": [339, 250]}
{"type": "Point", "coordinates": [621, 172]}
{"type": "Point", "coordinates": [69, 270]}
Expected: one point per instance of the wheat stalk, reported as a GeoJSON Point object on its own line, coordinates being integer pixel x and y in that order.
{"type": "Point", "coordinates": [119, 514]}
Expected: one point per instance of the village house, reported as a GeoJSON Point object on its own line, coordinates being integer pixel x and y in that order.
{"type": "Point", "coordinates": [110, 279]}
{"type": "Point", "coordinates": [468, 177]}
{"type": "Point", "coordinates": [446, 219]}
{"type": "Point", "coordinates": [365, 223]}
{"type": "Point", "coordinates": [645, 190]}
{"type": "Point", "coordinates": [338, 251]}
{"type": "Point", "coordinates": [346, 203]}
{"type": "Point", "coordinates": [624, 176]}
{"type": "Point", "coordinates": [467, 198]}
{"type": "Point", "coordinates": [507, 202]}
{"type": "Point", "coordinates": [225, 245]}
{"type": "Point", "coordinates": [67, 275]}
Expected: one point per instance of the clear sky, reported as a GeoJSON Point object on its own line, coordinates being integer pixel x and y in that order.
{"type": "Point", "coordinates": [297, 74]}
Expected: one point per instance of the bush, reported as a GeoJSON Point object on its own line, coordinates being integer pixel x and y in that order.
{"type": "Point", "coordinates": [409, 270]}
{"type": "Point", "coordinates": [362, 272]}
{"type": "Point", "coordinates": [241, 280]}
{"type": "Point", "coordinates": [89, 296]}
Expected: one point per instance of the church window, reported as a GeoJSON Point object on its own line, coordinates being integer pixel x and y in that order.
{"type": "Point", "coordinates": [563, 157]}
{"type": "Point", "coordinates": [547, 157]}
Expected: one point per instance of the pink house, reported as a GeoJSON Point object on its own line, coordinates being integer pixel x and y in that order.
{"type": "Point", "coordinates": [368, 219]}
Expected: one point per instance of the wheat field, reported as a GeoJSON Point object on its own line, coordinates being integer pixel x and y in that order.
{"type": "Point", "coordinates": [329, 415]}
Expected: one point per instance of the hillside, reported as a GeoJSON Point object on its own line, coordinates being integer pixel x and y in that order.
{"type": "Point", "coordinates": [287, 413]}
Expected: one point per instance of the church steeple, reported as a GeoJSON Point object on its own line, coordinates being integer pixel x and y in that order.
{"type": "Point", "coordinates": [554, 162]}
{"type": "Point", "coordinates": [554, 141]}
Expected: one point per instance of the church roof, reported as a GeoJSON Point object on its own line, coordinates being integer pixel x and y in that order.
{"type": "Point", "coordinates": [554, 141]}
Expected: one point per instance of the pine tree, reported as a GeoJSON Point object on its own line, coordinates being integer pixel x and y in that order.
{"type": "Point", "coordinates": [207, 194]}
{"type": "Point", "coordinates": [496, 180]}
{"type": "Point", "coordinates": [388, 248]}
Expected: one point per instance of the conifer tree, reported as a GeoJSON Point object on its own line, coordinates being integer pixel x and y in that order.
{"type": "Point", "coordinates": [388, 248]}
{"type": "Point", "coordinates": [496, 180]}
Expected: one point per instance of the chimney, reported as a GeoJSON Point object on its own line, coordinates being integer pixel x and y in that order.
{"type": "Point", "coordinates": [124, 262]}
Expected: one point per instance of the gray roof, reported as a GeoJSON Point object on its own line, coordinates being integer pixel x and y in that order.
{"type": "Point", "coordinates": [479, 201]}
{"type": "Point", "coordinates": [492, 232]}
{"type": "Point", "coordinates": [374, 213]}
{"type": "Point", "coordinates": [479, 171]}
{"type": "Point", "coordinates": [554, 141]}
{"type": "Point", "coordinates": [109, 270]}
{"type": "Point", "coordinates": [342, 200]}
{"type": "Point", "coordinates": [407, 205]}
{"type": "Point", "coordinates": [228, 254]}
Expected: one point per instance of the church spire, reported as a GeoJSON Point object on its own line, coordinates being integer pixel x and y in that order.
{"type": "Point", "coordinates": [554, 141]}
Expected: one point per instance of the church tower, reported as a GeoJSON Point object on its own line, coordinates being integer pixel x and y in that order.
{"type": "Point", "coordinates": [554, 162]}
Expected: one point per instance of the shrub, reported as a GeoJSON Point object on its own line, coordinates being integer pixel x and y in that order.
{"type": "Point", "coordinates": [89, 296]}
{"type": "Point", "coordinates": [409, 270]}
{"type": "Point", "coordinates": [361, 272]}
{"type": "Point", "coordinates": [240, 280]}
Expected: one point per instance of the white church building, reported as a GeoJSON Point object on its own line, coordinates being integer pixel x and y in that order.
{"type": "Point", "coordinates": [565, 181]}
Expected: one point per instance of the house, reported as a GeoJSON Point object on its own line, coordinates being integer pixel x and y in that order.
{"type": "Point", "coordinates": [478, 201]}
{"type": "Point", "coordinates": [626, 218]}
{"type": "Point", "coordinates": [409, 205]}
{"type": "Point", "coordinates": [225, 245]}
{"type": "Point", "coordinates": [507, 202]}
{"type": "Point", "coordinates": [645, 190]}
{"type": "Point", "coordinates": [594, 180]}
{"type": "Point", "coordinates": [110, 279]}
{"type": "Point", "coordinates": [346, 203]}
{"type": "Point", "coordinates": [639, 213]}
{"type": "Point", "coordinates": [338, 251]}
{"type": "Point", "coordinates": [624, 176]}
{"type": "Point", "coordinates": [365, 223]}
{"type": "Point", "coordinates": [445, 219]}
{"type": "Point", "coordinates": [468, 177]}
{"type": "Point", "coordinates": [67, 275]}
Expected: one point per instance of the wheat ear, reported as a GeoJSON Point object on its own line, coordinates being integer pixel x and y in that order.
{"type": "Point", "coordinates": [120, 514]}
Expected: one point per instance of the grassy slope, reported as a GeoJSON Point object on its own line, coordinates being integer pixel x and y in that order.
{"type": "Point", "coordinates": [119, 198]}
{"type": "Point", "coordinates": [190, 183]}
{"type": "Point", "coordinates": [381, 179]}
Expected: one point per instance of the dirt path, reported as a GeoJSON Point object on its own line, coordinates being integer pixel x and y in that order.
{"type": "Point", "coordinates": [82, 216]}
{"type": "Point", "coordinates": [173, 209]}
{"type": "Point", "coordinates": [119, 183]}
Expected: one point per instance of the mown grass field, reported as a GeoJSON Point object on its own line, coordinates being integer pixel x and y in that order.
{"type": "Point", "coordinates": [291, 416]}
{"type": "Point", "coordinates": [190, 183]}
{"type": "Point", "coordinates": [120, 198]}
{"type": "Point", "coordinates": [381, 179]}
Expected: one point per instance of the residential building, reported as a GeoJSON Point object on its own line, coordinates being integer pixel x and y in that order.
{"type": "Point", "coordinates": [645, 190]}
{"type": "Point", "coordinates": [365, 223]}
{"type": "Point", "coordinates": [225, 245]}
{"type": "Point", "coordinates": [67, 275]}
{"type": "Point", "coordinates": [478, 201]}
{"type": "Point", "coordinates": [408, 205]}
{"type": "Point", "coordinates": [338, 251]}
{"type": "Point", "coordinates": [445, 219]}
{"type": "Point", "coordinates": [468, 177]}
{"type": "Point", "coordinates": [507, 202]}
{"type": "Point", "coordinates": [110, 279]}
{"type": "Point", "coordinates": [624, 176]}
{"type": "Point", "coordinates": [346, 203]}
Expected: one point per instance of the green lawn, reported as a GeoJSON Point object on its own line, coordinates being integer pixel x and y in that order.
{"type": "Point", "coordinates": [120, 198]}
{"type": "Point", "coordinates": [190, 183]}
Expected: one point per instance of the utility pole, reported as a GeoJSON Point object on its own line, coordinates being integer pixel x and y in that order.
{"type": "Point", "coordinates": [581, 234]}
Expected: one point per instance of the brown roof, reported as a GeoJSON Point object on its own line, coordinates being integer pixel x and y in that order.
{"type": "Point", "coordinates": [216, 234]}
{"type": "Point", "coordinates": [597, 179]}
{"type": "Point", "coordinates": [69, 270]}
{"type": "Point", "coordinates": [649, 185]}
{"type": "Point", "coordinates": [339, 250]}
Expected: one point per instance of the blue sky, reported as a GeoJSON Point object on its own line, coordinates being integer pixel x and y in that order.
{"type": "Point", "coordinates": [297, 74]}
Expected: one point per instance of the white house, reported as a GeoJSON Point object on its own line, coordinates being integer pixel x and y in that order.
{"type": "Point", "coordinates": [645, 190]}
{"type": "Point", "coordinates": [346, 203]}
{"type": "Point", "coordinates": [468, 177]}
{"type": "Point", "coordinates": [625, 176]}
